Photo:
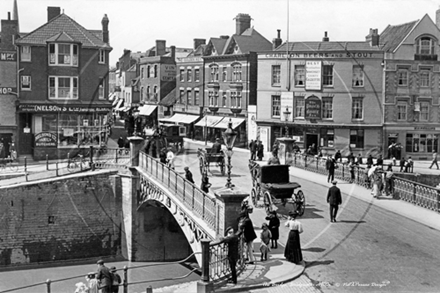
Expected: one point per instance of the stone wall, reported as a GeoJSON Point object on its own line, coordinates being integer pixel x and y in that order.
{"type": "Point", "coordinates": [60, 219]}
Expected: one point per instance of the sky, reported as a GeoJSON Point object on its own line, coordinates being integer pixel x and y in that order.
{"type": "Point", "coordinates": [137, 24]}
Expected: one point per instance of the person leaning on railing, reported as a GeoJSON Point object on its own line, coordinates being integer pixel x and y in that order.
{"type": "Point", "coordinates": [232, 240]}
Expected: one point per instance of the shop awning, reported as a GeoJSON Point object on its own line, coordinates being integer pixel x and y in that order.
{"type": "Point", "coordinates": [119, 105]}
{"type": "Point", "coordinates": [146, 110]}
{"type": "Point", "coordinates": [113, 97]}
{"type": "Point", "coordinates": [180, 118]}
{"type": "Point", "coordinates": [209, 121]}
{"type": "Point", "coordinates": [225, 122]}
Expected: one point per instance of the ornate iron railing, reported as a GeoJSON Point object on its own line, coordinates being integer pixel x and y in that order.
{"type": "Point", "coordinates": [416, 193]}
{"type": "Point", "coordinates": [200, 203]}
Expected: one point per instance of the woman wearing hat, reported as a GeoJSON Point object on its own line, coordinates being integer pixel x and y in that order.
{"type": "Point", "coordinates": [92, 282]}
{"type": "Point", "coordinates": [292, 251]}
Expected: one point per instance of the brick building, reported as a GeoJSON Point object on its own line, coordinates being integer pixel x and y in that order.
{"type": "Point", "coordinates": [230, 79]}
{"type": "Point", "coordinates": [412, 91]}
{"type": "Point", "coordinates": [326, 94]}
{"type": "Point", "coordinates": [63, 87]}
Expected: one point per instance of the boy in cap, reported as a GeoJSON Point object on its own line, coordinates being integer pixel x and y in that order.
{"type": "Point", "coordinates": [232, 239]}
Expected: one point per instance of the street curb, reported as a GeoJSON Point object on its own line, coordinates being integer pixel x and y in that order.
{"type": "Point", "coordinates": [265, 284]}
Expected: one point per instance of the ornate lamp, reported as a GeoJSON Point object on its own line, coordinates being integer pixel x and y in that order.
{"type": "Point", "coordinates": [229, 136]}
{"type": "Point", "coordinates": [286, 118]}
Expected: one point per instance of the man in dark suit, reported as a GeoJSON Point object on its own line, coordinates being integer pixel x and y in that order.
{"type": "Point", "coordinates": [330, 165]}
{"type": "Point", "coordinates": [188, 175]}
{"type": "Point", "coordinates": [216, 147]}
{"type": "Point", "coordinates": [334, 198]}
{"type": "Point", "coordinates": [104, 277]}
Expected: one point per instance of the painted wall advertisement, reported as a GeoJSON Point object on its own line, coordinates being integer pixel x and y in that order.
{"type": "Point", "coordinates": [313, 75]}
{"type": "Point", "coordinates": [252, 122]}
{"type": "Point", "coordinates": [312, 108]}
{"type": "Point", "coordinates": [45, 139]}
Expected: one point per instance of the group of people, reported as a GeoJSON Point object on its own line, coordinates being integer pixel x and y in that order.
{"type": "Point", "coordinates": [256, 148]}
{"type": "Point", "coordinates": [104, 280]}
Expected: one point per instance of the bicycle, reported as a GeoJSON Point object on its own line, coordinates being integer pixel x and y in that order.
{"type": "Point", "coordinates": [8, 163]}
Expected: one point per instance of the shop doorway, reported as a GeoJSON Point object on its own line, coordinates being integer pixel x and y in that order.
{"type": "Point", "coordinates": [5, 139]}
{"type": "Point", "coordinates": [394, 148]}
{"type": "Point", "coordinates": [312, 140]}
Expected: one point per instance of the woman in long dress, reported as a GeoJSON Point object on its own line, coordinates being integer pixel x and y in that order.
{"type": "Point", "coordinates": [292, 251]}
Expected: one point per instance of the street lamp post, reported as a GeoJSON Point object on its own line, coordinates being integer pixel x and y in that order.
{"type": "Point", "coordinates": [286, 118]}
{"type": "Point", "coordinates": [205, 116]}
{"type": "Point", "coordinates": [229, 136]}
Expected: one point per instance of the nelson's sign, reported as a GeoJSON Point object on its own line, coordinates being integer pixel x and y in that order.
{"type": "Point", "coordinates": [312, 108]}
{"type": "Point", "coordinates": [37, 108]}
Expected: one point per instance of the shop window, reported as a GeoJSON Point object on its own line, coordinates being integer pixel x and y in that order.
{"type": "Point", "coordinates": [25, 53]}
{"type": "Point", "coordinates": [63, 87]}
{"type": "Point", "coordinates": [327, 75]}
{"type": "Point", "coordinates": [276, 106]}
{"type": "Point", "coordinates": [357, 109]}
{"type": "Point", "coordinates": [402, 77]}
{"type": "Point", "coordinates": [401, 112]}
{"type": "Point", "coordinates": [327, 108]}
{"type": "Point", "coordinates": [356, 138]}
{"type": "Point", "coordinates": [421, 143]}
{"type": "Point", "coordinates": [300, 75]}
{"type": "Point", "coordinates": [26, 82]}
{"type": "Point", "coordinates": [276, 75]}
{"type": "Point", "coordinates": [358, 76]}
{"type": "Point", "coordinates": [299, 107]}
{"type": "Point", "coordinates": [63, 54]}
{"type": "Point", "coordinates": [327, 137]}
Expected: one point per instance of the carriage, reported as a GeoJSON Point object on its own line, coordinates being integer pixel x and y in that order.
{"type": "Point", "coordinates": [206, 158]}
{"type": "Point", "coordinates": [273, 183]}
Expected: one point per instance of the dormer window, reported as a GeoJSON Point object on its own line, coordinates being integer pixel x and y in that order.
{"type": "Point", "coordinates": [425, 48]}
{"type": "Point", "coordinates": [63, 54]}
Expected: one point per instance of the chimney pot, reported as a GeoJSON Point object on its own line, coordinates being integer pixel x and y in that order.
{"type": "Point", "coordinates": [242, 23]}
{"type": "Point", "coordinates": [325, 38]}
{"type": "Point", "coordinates": [9, 16]}
{"type": "Point", "coordinates": [160, 47]}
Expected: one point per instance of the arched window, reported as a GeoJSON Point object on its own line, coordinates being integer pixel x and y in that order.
{"type": "Point", "coordinates": [155, 93]}
{"type": "Point", "coordinates": [214, 72]}
{"type": "Point", "coordinates": [425, 48]}
{"type": "Point", "coordinates": [148, 71]}
{"type": "Point", "coordinates": [155, 70]}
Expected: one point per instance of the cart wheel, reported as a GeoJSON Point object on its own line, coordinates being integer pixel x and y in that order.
{"type": "Point", "coordinates": [302, 200]}
{"type": "Point", "coordinates": [268, 202]}
{"type": "Point", "coordinates": [254, 196]}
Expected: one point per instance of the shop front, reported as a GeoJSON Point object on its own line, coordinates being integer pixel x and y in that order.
{"type": "Point", "coordinates": [212, 127]}
{"type": "Point", "coordinates": [55, 130]}
{"type": "Point", "coordinates": [417, 142]}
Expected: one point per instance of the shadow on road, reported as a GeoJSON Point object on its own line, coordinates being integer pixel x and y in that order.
{"type": "Point", "coordinates": [319, 263]}
{"type": "Point", "coordinates": [351, 222]}
{"type": "Point", "coordinates": [314, 249]}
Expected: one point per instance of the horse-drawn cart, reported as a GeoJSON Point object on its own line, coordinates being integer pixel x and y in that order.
{"type": "Point", "coordinates": [273, 183]}
{"type": "Point", "coordinates": [206, 158]}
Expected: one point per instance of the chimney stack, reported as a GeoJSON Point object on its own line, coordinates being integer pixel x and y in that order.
{"type": "Point", "coordinates": [160, 47]}
{"type": "Point", "coordinates": [9, 33]}
{"type": "Point", "coordinates": [104, 22]}
{"type": "Point", "coordinates": [52, 12]}
{"type": "Point", "coordinates": [277, 41]}
{"type": "Point", "coordinates": [373, 37]}
{"type": "Point", "coordinates": [242, 23]}
{"type": "Point", "coordinates": [198, 42]}
{"type": "Point", "coordinates": [437, 17]}
{"type": "Point", "coordinates": [173, 52]}
{"type": "Point", "coordinates": [325, 38]}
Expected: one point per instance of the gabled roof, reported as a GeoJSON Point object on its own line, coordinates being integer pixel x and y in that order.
{"type": "Point", "coordinates": [62, 26]}
{"type": "Point", "coordinates": [218, 44]}
{"type": "Point", "coordinates": [393, 35]}
{"type": "Point", "coordinates": [251, 40]}
{"type": "Point", "coordinates": [326, 46]}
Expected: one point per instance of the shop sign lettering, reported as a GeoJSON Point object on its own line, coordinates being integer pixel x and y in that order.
{"type": "Point", "coordinates": [61, 109]}
{"type": "Point", "coordinates": [312, 108]}
{"type": "Point", "coordinates": [317, 55]}
{"type": "Point", "coordinates": [313, 75]}
{"type": "Point", "coordinates": [8, 56]}
{"type": "Point", "coordinates": [45, 139]}
{"type": "Point", "coordinates": [7, 90]}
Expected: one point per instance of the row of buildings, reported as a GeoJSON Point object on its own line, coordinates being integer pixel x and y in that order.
{"type": "Point", "coordinates": [354, 96]}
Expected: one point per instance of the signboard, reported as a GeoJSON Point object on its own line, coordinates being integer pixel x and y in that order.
{"type": "Point", "coordinates": [313, 75]}
{"type": "Point", "coordinates": [8, 56]}
{"type": "Point", "coordinates": [68, 132]}
{"type": "Point", "coordinates": [40, 108]}
{"type": "Point", "coordinates": [312, 108]}
{"type": "Point", "coordinates": [169, 73]}
{"type": "Point", "coordinates": [326, 55]}
{"type": "Point", "coordinates": [286, 104]}
{"type": "Point", "coordinates": [7, 90]}
{"type": "Point", "coordinates": [45, 139]}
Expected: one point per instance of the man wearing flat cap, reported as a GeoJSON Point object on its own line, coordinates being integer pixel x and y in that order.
{"type": "Point", "coordinates": [104, 277]}
{"type": "Point", "coordinates": [334, 199]}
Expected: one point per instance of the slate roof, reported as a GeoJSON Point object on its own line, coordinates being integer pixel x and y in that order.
{"type": "Point", "coordinates": [326, 46]}
{"type": "Point", "coordinates": [218, 44]}
{"type": "Point", "coordinates": [251, 40]}
{"type": "Point", "coordinates": [393, 35]}
{"type": "Point", "coordinates": [63, 28]}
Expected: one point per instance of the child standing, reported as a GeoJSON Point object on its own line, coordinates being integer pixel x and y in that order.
{"type": "Point", "coordinates": [265, 239]}
{"type": "Point", "coordinates": [274, 225]}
